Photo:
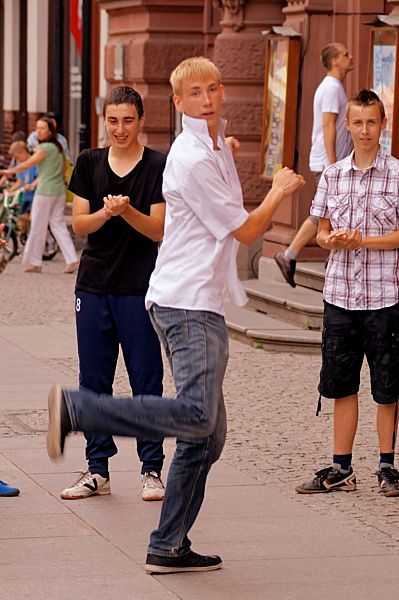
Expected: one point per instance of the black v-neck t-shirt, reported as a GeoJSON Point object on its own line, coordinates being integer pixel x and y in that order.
{"type": "Point", "coordinates": [117, 259]}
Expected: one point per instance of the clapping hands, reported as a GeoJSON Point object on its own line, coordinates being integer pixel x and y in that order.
{"type": "Point", "coordinates": [342, 239]}
{"type": "Point", "coordinates": [115, 205]}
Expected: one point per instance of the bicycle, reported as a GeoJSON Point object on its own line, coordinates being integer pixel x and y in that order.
{"type": "Point", "coordinates": [10, 208]}
{"type": "Point", "coordinates": [10, 213]}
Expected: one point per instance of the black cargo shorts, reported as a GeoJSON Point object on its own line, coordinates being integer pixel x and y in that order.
{"type": "Point", "coordinates": [351, 335]}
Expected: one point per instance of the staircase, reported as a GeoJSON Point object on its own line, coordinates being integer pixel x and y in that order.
{"type": "Point", "coordinates": [278, 317]}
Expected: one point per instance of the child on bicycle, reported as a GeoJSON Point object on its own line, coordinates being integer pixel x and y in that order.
{"type": "Point", "coordinates": [26, 179]}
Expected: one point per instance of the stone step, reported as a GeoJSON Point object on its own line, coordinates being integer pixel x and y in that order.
{"type": "Point", "coordinates": [310, 275]}
{"type": "Point", "coordinates": [262, 331]}
{"type": "Point", "coordinates": [300, 306]}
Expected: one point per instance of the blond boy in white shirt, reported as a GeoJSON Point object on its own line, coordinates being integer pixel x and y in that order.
{"type": "Point", "coordinates": [194, 274]}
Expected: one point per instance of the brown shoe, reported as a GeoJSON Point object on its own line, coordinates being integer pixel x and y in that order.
{"type": "Point", "coordinates": [71, 267]}
{"type": "Point", "coordinates": [287, 267]}
{"type": "Point", "coordinates": [33, 269]}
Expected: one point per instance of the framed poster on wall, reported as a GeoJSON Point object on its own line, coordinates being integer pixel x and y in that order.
{"type": "Point", "coordinates": [280, 104]}
{"type": "Point", "coordinates": [383, 74]}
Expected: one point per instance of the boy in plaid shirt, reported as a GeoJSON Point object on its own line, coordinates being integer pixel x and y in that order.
{"type": "Point", "coordinates": [357, 202]}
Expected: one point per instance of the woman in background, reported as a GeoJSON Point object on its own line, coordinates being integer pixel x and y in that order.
{"type": "Point", "coordinates": [49, 205]}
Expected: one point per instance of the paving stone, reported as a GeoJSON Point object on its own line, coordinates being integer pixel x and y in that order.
{"type": "Point", "coordinates": [274, 441]}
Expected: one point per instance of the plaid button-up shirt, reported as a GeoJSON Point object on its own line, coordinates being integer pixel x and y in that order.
{"type": "Point", "coordinates": [362, 279]}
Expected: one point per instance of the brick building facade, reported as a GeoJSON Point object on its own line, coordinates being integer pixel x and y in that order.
{"type": "Point", "coordinates": [139, 42]}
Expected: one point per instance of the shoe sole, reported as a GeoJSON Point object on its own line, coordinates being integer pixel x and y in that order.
{"type": "Point", "coordinates": [99, 493]}
{"type": "Point", "coordinates": [390, 494]}
{"type": "Point", "coordinates": [54, 422]}
{"type": "Point", "coordinates": [348, 488]}
{"type": "Point", "coordinates": [290, 281]}
{"type": "Point", "coordinates": [153, 499]}
{"type": "Point", "coordinates": [8, 494]}
{"type": "Point", "coordinates": [164, 570]}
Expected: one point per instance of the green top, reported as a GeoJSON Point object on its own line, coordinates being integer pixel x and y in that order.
{"type": "Point", "coordinates": [51, 171]}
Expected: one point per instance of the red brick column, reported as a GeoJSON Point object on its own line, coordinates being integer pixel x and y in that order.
{"type": "Point", "coordinates": [349, 22]}
{"type": "Point", "coordinates": [146, 41]}
{"type": "Point", "coordinates": [239, 52]}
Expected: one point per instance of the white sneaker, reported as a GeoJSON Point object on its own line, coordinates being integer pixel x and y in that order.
{"type": "Point", "coordinates": [88, 484]}
{"type": "Point", "coordinates": [153, 488]}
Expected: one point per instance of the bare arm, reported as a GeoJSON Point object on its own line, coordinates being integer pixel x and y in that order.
{"type": "Point", "coordinates": [35, 159]}
{"type": "Point", "coordinates": [27, 187]}
{"type": "Point", "coordinates": [16, 185]}
{"type": "Point", "coordinates": [83, 222]}
{"type": "Point", "coordinates": [285, 182]}
{"type": "Point", "coordinates": [31, 186]}
{"type": "Point", "coordinates": [389, 241]}
{"type": "Point", "coordinates": [330, 135]}
{"type": "Point", "coordinates": [152, 225]}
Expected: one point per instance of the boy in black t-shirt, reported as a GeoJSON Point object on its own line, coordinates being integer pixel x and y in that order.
{"type": "Point", "coordinates": [118, 204]}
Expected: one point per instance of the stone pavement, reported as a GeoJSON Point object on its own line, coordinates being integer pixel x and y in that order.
{"type": "Point", "coordinates": [276, 545]}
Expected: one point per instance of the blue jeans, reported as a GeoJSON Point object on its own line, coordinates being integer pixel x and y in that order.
{"type": "Point", "coordinates": [196, 343]}
{"type": "Point", "coordinates": [103, 324]}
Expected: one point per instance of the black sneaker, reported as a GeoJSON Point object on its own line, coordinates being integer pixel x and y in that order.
{"type": "Point", "coordinates": [179, 564]}
{"type": "Point", "coordinates": [388, 480]}
{"type": "Point", "coordinates": [330, 479]}
{"type": "Point", "coordinates": [287, 267]}
{"type": "Point", "coordinates": [59, 423]}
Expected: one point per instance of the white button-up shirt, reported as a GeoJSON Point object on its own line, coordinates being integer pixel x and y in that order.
{"type": "Point", "coordinates": [196, 267]}
{"type": "Point", "coordinates": [362, 279]}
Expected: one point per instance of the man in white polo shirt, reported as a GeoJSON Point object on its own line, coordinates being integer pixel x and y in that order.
{"type": "Point", "coordinates": [330, 141]}
{"type": "Point", "coordinates": [195, 272]}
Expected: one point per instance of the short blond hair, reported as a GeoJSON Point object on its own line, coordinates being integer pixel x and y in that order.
{"type": "Point", "coordinates": [17, 147]}
{"type": "Point", "coordinates": [196, 67]}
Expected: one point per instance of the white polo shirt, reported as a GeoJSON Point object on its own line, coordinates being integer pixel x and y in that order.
{"type": "Point", "coordinates": [196, 267]}
{"type": "Point", "coordinates": [329, 97]}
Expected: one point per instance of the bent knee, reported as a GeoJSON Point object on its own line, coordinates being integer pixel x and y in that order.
{"type": "Point", "coordinates": [206, 427]}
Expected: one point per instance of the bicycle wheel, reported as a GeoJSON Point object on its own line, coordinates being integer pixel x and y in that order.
{"type": "Point", "coordinates": [51, 247]}
{"type": "Point", "coordinates": [11, 248]}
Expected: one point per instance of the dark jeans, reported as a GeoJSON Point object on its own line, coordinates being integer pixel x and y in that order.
{"type": "Point", "coordinates": [196, 344]}
{"type": "Point", "coordinates": [104, 323]}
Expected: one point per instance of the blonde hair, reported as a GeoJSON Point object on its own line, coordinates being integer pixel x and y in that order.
{"type": "Point", "coordinates": [197, 67]}
{"type": "Point", "coordinates": [17, 147]}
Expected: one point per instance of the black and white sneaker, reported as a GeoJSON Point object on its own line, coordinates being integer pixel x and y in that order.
{"type": "Point", "coordinates": [330, 479]}
{"type": "Point", "coordinates": [88, 484]}
{"type": "Point", "coordinates": [180, 564]}
{"type": "Point", "coordinates": [388, 480]}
